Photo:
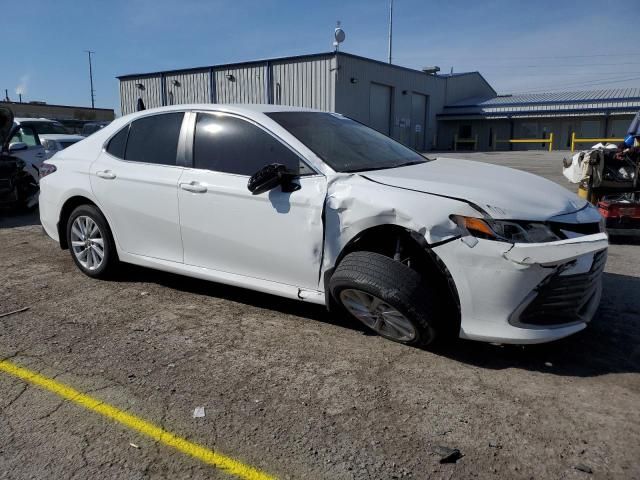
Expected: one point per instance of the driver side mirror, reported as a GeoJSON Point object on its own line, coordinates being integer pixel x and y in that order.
{"type": "Point", "coordinates": [269, 177]}
{"type": "Point", "coordinates": [17, 146]}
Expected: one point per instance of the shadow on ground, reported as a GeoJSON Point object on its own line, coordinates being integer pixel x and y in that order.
{"type": "Point", "coordinates": [610, 344]}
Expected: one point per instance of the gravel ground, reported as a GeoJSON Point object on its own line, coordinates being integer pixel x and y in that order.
{"type": "Point", "coordinates": [293, 391]}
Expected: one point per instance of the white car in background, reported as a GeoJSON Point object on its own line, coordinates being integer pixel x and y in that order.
{"type": "Point", "coordinates": [316, 207]}
{"type": "Point", "coordinates": [33, 140]}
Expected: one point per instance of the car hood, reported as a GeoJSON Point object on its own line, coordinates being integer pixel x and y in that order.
{"type": "Point", "coordinates": [503, 193]}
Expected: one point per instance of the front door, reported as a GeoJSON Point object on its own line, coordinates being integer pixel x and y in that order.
{"type": "Point", "coordinates": [136, 184]}
{"type": "Point", "coordinates": [275, 236]}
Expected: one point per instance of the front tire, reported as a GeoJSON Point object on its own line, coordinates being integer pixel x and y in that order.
{"type": "Point", "coordinates": [387, 296]}
{"type": "Point", "coordinates": [90, 242]}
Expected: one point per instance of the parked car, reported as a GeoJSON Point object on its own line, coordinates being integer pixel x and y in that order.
{"type": "Point", "coordinates": [317, 207]}
{"type": "Point", "coordinates": [17, 186]}
{"type": "Point", "coordinates": [33, 140]}
{"type": "Point", "coordinates": [92, 127]}
{"type": "Point", "coordinates": [53, 143]}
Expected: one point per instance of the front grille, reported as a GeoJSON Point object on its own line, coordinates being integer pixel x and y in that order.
{"type": "Point", "coordinates": [565, 299]}
{"type": "Point", "coordinates": [581, 228]}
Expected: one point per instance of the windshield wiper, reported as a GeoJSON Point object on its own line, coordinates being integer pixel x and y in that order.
{"type": "Point", "coordinates": [414, 162]}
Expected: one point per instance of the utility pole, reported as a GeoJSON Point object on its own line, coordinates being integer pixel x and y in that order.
{"type": "Point", "coordinates": [390, 27]}
{"type": "Point", "coordinates": [91, 79]}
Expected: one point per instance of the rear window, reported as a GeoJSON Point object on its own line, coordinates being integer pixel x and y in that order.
{"type": "Point", "coordinates": [44, 128]}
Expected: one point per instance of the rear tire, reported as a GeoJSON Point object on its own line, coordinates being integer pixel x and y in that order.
{"type": "Point", "coordinates": [388, 297]}
{"type": "Point", "coordinates": [90, 242]}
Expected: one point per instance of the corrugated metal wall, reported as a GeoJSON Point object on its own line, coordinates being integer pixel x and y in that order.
{"type": "Point", "coordinates": [305, 83]}
{"type": "Point", "coordinates": [191, 87]}
{"type": "Point", "coordinates": [151, 93]}
{"type": "Point", "coordinates": [244, 84]}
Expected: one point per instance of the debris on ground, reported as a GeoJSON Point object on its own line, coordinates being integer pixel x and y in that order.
{"type": "Point", "coordinates": [134, 445]}
{"type": "Point", "coordinates": [447, 455]}
{"type": "Point", "coordinates": [24, 309]}
{"type": "Point", "coordinates": [198, 412]}
{"type": "Point", "coordinates": [583, 468]}
{"type": "Point", "coordinates": [495, 445]}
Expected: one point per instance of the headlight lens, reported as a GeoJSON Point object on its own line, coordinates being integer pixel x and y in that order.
{"type": "Point", "coordinates": [506, 231]}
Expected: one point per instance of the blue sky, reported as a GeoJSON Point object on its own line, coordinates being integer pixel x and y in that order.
{"type": "Point", "coordinates": [519, 46]}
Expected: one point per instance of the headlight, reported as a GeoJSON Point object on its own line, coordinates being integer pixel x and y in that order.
{"type": "Point", "coordinates": [506, 231]}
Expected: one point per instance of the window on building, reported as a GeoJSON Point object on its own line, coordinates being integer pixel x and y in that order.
{"type": "Point", "coordinates": [590, 128]}
{"type": "Point", "coordinates": [618, 128]}
{"type": "Point", "coordinates": [464, 131]}
{"type": "Point", "coordinates": [528, 130]}
{"type": "Point", "coordinates": [228, 144]}
{"type": "Point", "coordinates": [154, 139]}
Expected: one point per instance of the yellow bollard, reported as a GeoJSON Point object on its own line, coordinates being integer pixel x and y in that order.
{"type": "Point", "coordinates": [573, 141]}
{"type": "Point", "coordinates": [551, 141]}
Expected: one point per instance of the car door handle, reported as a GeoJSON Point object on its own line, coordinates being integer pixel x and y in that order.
{"type": "Point", "coordinates": [106, 174]}
{"type": "Point", "coordinates": [194, 187]}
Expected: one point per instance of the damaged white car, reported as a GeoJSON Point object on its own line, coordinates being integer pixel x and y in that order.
{"type": "Point", "coordinates": [317, 207]}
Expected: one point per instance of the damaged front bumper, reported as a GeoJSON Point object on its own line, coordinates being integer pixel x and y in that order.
{"type": "Point", "coordinates": [526, 293]}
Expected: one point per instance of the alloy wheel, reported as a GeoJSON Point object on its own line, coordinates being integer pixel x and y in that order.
{"type": "Point", "coordinates": [87, 242]}
{"type": "Point", "coordinates": [378, 315]}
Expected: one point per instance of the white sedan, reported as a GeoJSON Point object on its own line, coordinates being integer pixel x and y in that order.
{"type": "Point", "coordinates": [317, 207]}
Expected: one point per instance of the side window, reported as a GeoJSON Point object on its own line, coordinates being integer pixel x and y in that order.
{"type": "Point", "coordinates": [118, 143]}
{"type": "Point", "coordinates": [154, 139]}
{"type": "Point", "coordinates": [26, 135]}
{"type": "Point", "coordinates": [231, 145]}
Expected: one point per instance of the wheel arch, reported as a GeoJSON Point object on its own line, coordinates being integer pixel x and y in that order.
{"type": "Point", "coordinates": [384, 239]}
{"type": "Point", "coordinates": [65, 212]}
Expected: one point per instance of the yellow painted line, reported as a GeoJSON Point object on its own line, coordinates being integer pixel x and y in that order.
{"type": "Point", "coordinates": [227, 464]}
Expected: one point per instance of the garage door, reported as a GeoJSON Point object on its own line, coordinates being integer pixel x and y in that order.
{"type": "Point", "coordinates": [380, 108]}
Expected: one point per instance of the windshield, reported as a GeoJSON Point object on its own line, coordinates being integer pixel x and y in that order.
{"type": "Point", "coordinates": [44, 128]}
{"type": "Point", "coordinates": [344, 144]}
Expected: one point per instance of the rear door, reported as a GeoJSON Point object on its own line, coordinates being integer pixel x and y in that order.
{"type": "Point", "coordinates": [275, 236]}
{"type": "Point", "coordinates": [135, 180]}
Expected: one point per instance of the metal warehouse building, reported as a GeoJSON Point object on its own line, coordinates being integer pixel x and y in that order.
{"type": "Point", "coordinates": [397, 101]}
{"type": "Point", "coordinates": [421, 109]}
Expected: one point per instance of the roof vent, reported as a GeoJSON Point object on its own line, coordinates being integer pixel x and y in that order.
{"type": "Point", "coordinates": [431, 70]}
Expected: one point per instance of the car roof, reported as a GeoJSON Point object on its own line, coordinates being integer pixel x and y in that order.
{"type": "Point", "coordinates": [19, 120]}
{"type": "Point", "coordinates": [241, 109]}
